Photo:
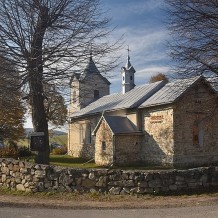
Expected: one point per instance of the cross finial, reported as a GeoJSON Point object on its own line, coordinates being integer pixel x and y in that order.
{"type": "Point", "coordinates": [128, 50]}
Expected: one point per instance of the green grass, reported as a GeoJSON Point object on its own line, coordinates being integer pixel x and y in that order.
{"type": "Point", "coordinates": [69, 161]}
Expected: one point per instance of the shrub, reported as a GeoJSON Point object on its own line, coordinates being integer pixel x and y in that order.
{"type": "Point", "coordinates": [9, 152]}
{"type": "Point", "coordinates": [24, 152]}
{"type": "Point", "coordinates": [14, 152]}
{"type": "Point", "coordinates": [59, 151]}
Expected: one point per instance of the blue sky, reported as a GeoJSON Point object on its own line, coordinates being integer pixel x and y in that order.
{"type": "Point", "coordinates": [143, 24]}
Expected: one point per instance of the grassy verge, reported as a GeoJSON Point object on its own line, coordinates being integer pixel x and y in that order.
{"type": "Point", "coordinates": [100, 197]}
{"type": "Point", "coordinates": [71, 196]}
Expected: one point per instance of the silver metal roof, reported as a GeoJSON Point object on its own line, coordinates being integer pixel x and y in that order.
{"type": "Point", "coordinates": [170, 92]}
{"type": "Point", "coordinates": [131, 99]}
{"type": "Point", "coordinates": [213, 82]}
{"type": "Point", "coordinates": [118, 125]}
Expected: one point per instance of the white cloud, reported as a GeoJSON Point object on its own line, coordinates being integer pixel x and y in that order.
{"type": "Point", "coordinates": [146, 73]}
{"type": "Point", "coordinates": [147, 48]}
{"type": "Point", "coordinates": [144, 6]}
{"type": "Point", "coordinates": [141, 38]}
{"type": "Point", "coordinates": [122, 9]}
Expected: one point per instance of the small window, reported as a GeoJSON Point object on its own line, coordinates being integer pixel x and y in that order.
{"type": "Point", "coordinates": [200, 134]}
{"type": "Point", "coordinates": [103, 145]}
{"type": "Point", "coordinates": [123, 78]}
{"type": "Point", "coordinates": [195, 134]}
{"type": "Point", "coordinates": [96, 94]}
{"type": "Point", "coordinates": [130, 77]}
{"type": "Point", "coordinates": [198, 137]}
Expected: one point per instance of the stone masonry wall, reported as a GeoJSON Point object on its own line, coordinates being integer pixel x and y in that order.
{"type": "Point", "coordinates": [80, 133]}
{"type": "Point", "coordinates": [104, 134]}
{"type": "Point", "coordinates": [29, 177]}
{"type": "Point", "coordinates": [127, 149]}
{"type": "Point", "coordinates": [197, 106]}
{"type": "Point", "coordinates": [87, 87]}
{"type": "Point", "coordinates": [158, 144]}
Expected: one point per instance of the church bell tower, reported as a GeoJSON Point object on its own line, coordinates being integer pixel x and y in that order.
{"type": "Point", "coordinates": [127, 73]}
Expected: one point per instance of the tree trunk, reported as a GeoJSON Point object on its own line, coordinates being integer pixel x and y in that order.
{"type": "Point", "coordinates": [39, 118]}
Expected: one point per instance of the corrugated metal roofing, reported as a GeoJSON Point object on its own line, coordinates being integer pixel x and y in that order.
{"type": "Point", "coordinates": [131, 99]}
{"type": "Point", "coordinates": [170, 92]}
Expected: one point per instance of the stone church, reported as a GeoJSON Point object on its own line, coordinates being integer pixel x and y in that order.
{"type": "Point", "coordinates": [174, 123]}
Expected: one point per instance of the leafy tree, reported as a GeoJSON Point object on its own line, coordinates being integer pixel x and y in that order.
{"type": "Point", "coordinates": [12, 109]}
{"type": "Point", "coordinates": [47, 40]}
{"type": "Point", "coordinates": [158, 77]}
{"type": "Point", "coordinates": [193, 25]}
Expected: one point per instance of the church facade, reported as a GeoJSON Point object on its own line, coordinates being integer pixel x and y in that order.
{"type": "Point", "coordinates": [160, 123]}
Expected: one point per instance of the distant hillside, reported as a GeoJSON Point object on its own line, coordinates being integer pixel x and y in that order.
{"type": "Point", "coordinates": [55, 132]}
{"type": "Point", "coordinates": [59, 137]}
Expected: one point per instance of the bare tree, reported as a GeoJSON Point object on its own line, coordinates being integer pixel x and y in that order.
{"type": "Point", "coordinates": [193, 25]}
{"type": "Point", "coordinates": [47, 40]}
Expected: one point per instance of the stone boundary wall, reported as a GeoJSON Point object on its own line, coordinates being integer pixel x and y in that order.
{"type": "Point", "coordinates": [24, 176]}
